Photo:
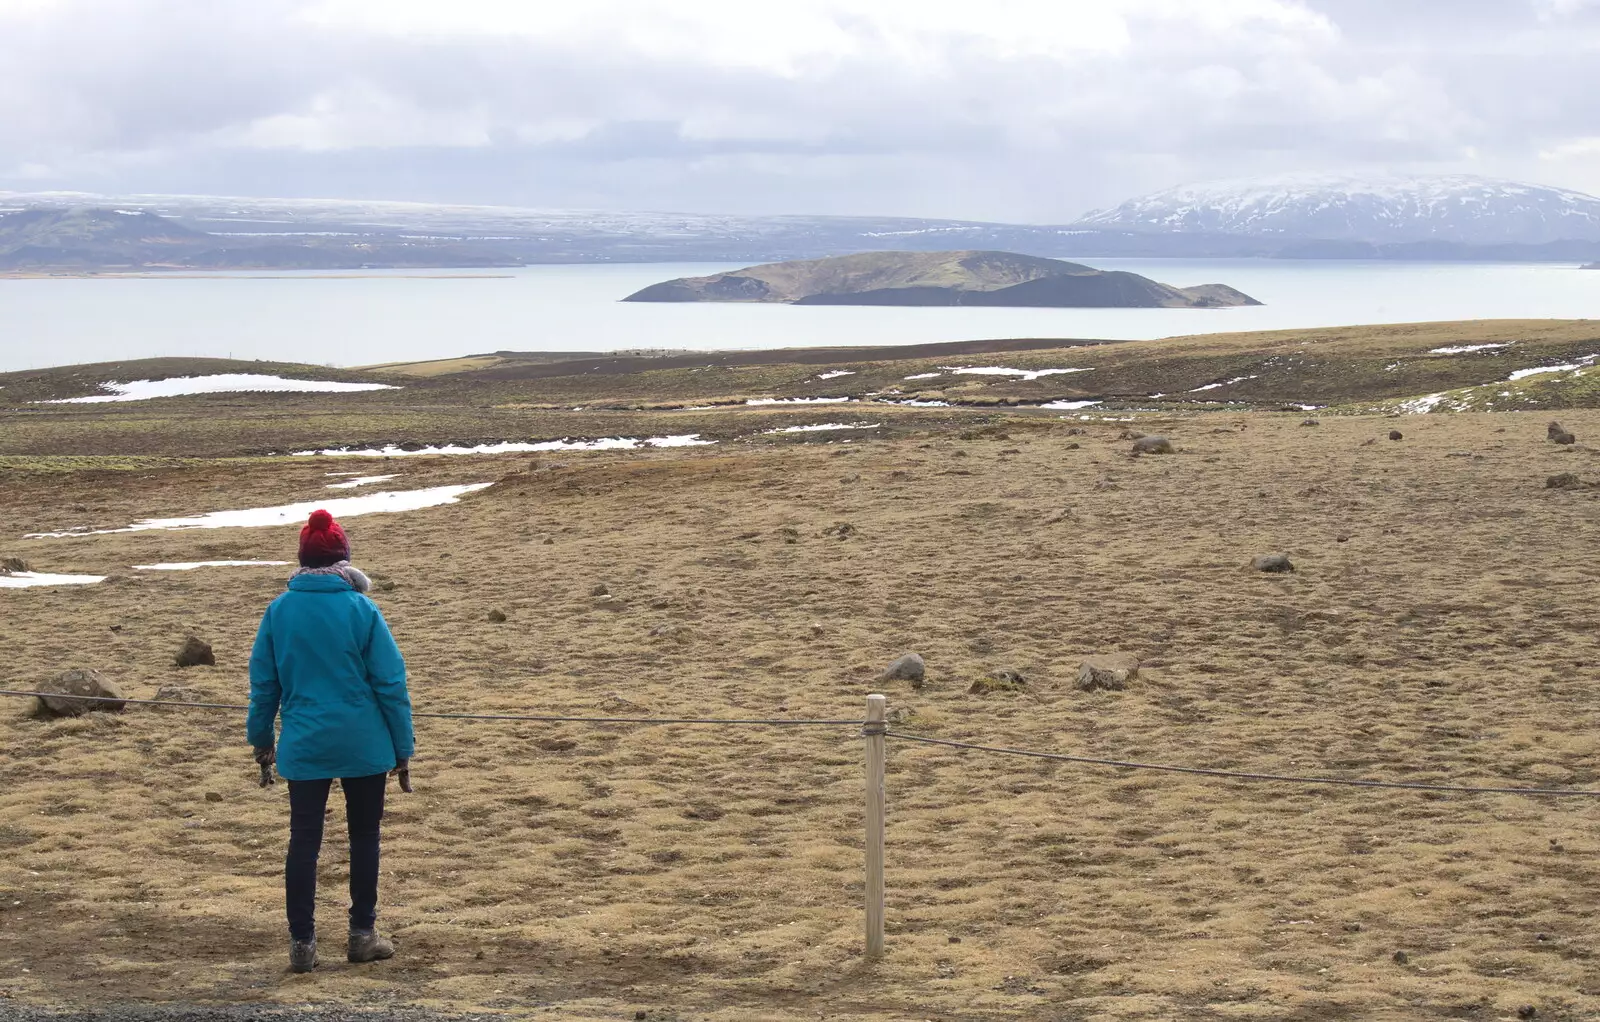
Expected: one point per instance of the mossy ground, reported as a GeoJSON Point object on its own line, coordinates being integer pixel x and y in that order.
{"type": "Point", "coordinates": [1434, 631]}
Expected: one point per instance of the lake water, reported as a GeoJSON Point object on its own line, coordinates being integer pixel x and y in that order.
{"type": "Point", "coordinates": [386, 317]}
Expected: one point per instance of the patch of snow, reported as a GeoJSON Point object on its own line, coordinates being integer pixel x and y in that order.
{"type": "Point", "coordinates": [295, 514]}
{"type": "Point", "coordinates": [1224, 383]}
{"type": "Point", "coordinates": [836, 374]}
{"type": "Point", "coordinates": [824, 426]}
{"type": "Point", "coordinates": [620, 443]}
{"type": "Point", "coordinates": [351, 484]}
{"type": "Point", "coordinates": [1522, 374]}
{"type": "Point", "coordinates": [191, 565]}
{"type": "Point", "coordinates": [1068, 406]}
{"type": "Point", "coordinates": [924, 376]}
{"type": "Point", "coordinates": [1421, 405]}
{"type": "Point", "coordinates": [27, 579]}
{"type": "Point", "coordinates": [225, 383]}
{"type": "Point", "coordinates": [919, 404]}
{"type": "Point", "coordinates": [1024, 374]}
{"type": "Point", "coordinates": [1462, 349]}
{"type": "Point", "coordinates": [797, 400]}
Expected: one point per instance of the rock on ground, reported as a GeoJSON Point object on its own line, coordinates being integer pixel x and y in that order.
{"type": "Point", "coordinates": [909, 667]}
{"type": "Point", "coordinates": [1152, 445]}
{"type": "Point", "coordinates": [1003, 680]}
{"type": "Point", "coordinates": [195, 652]}
{"type": "Point", "coordinates": [1395, 434]}
{"type": "Point", "coordinates": [1558, 434]}
{"type": "Point", "coordinates": [1111, 672]}
{"type": "Point", "coordinates": [1273, 563]}
{"type": "Point", "coordinates": [10, 565]}
{"type": "Point", "coordinates": [79, 682]}
{"type": "Point", "coordinates": [497, 616]}
{"type": "Point", "coordinates": [1563, 481]}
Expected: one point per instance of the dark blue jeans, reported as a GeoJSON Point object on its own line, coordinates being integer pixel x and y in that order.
{"type": "Point", "coordinates": [363, 810]}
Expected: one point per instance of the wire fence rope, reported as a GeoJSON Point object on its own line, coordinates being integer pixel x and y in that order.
{"type": "Point", "coordinates": [750, 722]}
{"type": "Point", "coordinates": [874, 731]}
{"type": "Point", "coordinates": [1242, 775]}
{"type": "Point", "coordinates": [872, 728]}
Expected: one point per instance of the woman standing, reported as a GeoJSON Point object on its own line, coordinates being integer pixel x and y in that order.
{"type": "Point", "coordinates": [325, 661]}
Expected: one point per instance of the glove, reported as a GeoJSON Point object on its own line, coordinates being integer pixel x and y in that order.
{"type": "Point", "coordinates": [402, 770]}
{"type": "Point", "coordinates": [265, 757]}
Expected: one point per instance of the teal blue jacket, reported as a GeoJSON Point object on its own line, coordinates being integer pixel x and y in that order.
{"type": "Point", "coordinates": [325, 660]}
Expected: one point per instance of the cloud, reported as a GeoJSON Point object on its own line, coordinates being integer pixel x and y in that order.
{"type": "Point", "coordinates": [1020, 109]}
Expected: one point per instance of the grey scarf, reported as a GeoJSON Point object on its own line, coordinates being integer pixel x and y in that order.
{"type": "Point", "coordinates": [344, 569]}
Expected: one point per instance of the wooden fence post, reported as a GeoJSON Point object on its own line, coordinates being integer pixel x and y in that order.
{"type": "Point", "coordinates": [876, 724]}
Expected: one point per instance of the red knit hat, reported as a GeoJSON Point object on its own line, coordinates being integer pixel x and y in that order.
{"type": "Point", "coordinates": [322, 542]}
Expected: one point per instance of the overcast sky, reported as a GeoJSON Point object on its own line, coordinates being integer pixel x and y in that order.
{"type": "Point", "coordinates": [1025, 110]}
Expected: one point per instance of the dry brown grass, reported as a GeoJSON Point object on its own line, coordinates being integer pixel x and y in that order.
{"type": "Point", "coordinates": [1438, 628]}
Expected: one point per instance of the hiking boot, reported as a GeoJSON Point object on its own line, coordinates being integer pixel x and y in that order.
{"type": "Point", "coordinates": [302, 955]}
{"type": "Point", "coordinates": [367, 946]}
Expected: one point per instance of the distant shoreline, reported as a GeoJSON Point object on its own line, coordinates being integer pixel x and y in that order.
{"type": "Point", "coordinates": [238, 275]}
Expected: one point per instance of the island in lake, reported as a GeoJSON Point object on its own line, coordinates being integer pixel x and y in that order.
{"type": "Point", "coordinates": [941, 278]}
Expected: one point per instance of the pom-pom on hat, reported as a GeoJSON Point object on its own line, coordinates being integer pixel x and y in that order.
{"type": "Point", "coordinates": [322, 542]}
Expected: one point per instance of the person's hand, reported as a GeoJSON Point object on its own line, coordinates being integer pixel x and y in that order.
{"type": "Point", "coordinates": [402, 770]}
{"type": "Point", "coordinates": [265, 757]}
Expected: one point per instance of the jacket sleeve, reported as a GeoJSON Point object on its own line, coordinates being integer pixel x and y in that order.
{"type": "Point", "coordinates": [386, 673]}
{"type": "Point", "coordinates": [265, 692]}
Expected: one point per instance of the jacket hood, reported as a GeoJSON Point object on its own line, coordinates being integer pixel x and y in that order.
{"type": "Point", "coordinates": [319, 584]}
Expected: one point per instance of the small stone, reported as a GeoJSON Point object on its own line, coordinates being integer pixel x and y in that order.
{"type": "Point", "coordinates": [1152, 445]}
{"type": "Point", "coordinates": [1107, 672]}
{"type": "Point", "coordinates": [1310, 422]}
{"type": "Point", "coordinates": [1002, 680]}
{"type": "Point", "coordinates": [603, 590]}
{"type": "Point", "coordinates": [177, 694]}
{"type": "Point", "coordinates": [1401, 958]}
{"type": "Point", "coordinates": [497, 616]}
{"type": "Point", "coordinates": [843, 530]}
{"type": "Point", "coordinates": [1276, 563]}
{"type": "Point", "coordinates": [194, 652]}
{"type": "Point", "coordinates": [1563, 481]}
{"type": "Point", "coordinates": [952, 940]}
{"type": "Point", "coordinates": [80, 682]}
{"type": "Point", "coordinates": [639, 1016]}
{"type": "Point", "coordinates": [1395, 434]}
{"type": "Point", "coordinates": [1527, 1011]}
{"type": "Point", "coordinates": [909, 667]}
{"type": "Point", "coordinates": [11, 565]}
{"type": "Point", "coordinates": [1352, 927]}
{"type": "Point", "coordinates": [213, 796]}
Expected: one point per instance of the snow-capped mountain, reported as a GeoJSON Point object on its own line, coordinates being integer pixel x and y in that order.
{"type": "Point", "coordinates": [1457, 208]}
